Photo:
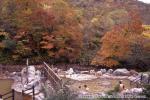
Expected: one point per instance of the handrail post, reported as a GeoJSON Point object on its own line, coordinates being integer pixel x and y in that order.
{"type": "Point", "coordinates": [13, 94]}
{"type": "Point", "coordinates": [148, 78]}
{"type": "Point", "coordinates": [22, 94]}
{"type": "Point", "coordinates": [141, 77]}
{"type": "Point", "coordinates": [1, 96]}
{"type": "Point", "coordinates": [33, 97]}
{"type": "Point", "coordinates": [27, 63]}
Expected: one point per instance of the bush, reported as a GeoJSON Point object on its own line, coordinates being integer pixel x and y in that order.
{"type": "Point", "coordinates": [146, 90]}
{"type": "Point", "coordinates": [115, 90]}
{"type": "Point", "coordinates": [62, 94]}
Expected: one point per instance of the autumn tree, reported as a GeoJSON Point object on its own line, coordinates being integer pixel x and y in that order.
{"type": "Point", "coordinates": [66, 37]}
{"type": "Point", "coordinates": [42, 29]}
{"type": "Point", "coordinates": [119, 45]}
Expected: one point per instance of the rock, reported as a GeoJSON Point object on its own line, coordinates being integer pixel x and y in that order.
{"type": "Point", "coordinates": [133, 72]}
{"type": "Point", "coordinates": [84, 72]}
{"type": "Point", "coordinates": [145, 78]}
{"type": "Point", "coordinates": [135, 78]}
{"type": "Point", "coordinates": [31, 73]}
{"type": "Point", "coordinates": [13, 74]}
{"type": "Point", "coordinates": [133, 91]}
{"type": "Point", "coordinates": [81, 77]}
{"type": "Point", "coordinates": [34, 79]}
{"type": "Point", "coordinates": [121, 72]}
{"type": "Point", "coordinates": [103, 71]}
{"type": "Point", "coordinates": [92, 72]}
{"type": "Point", "coordinates": [77, 71]}
{"type": "Point", "coordinates": [59, 70]}
{"type": "Point", "coordinates": [99, 73]}
{"type": "Point", "coordinates": [70, 71]}
{"type": "Point", "coordinates": [136, 90]}
{"type": "Point", "coordinates": [103, 94]}
{"type": "Point", "coordinates": [16, 78]}
{"type": "Point", "coordinates": [38, 75]}
{"type": "Point", "coordinates": [110, 71]}
{"type": "Point", "coordinates": [106, 76]}
{"type": "Point", "coordinates": [6, 73]}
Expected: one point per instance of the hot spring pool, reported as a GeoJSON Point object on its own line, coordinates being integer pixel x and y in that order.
{"type": "Point", "coordinates": [97, 85]}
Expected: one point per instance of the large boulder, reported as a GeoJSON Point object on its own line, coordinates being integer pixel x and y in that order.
{"type": "Point", "coordinates": [103, 71]}
{"type": "Point", "coordinates": [121, 72]}
{"type": "Point", "coordinates": [145, 78]}
{"type": "Point", "coordinates": [29, 77]}
{"type": "Point", "coordinates": [110, 71]}
{"type": "Point", "coordinates": [31, 73]}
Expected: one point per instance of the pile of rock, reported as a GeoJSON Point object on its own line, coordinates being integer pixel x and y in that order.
{"type": "Point", "coordinates": [80, 76]}
{"type": "Point", "coordinates": [133, 91]}
{"type": "Point", "coordinates": [120, 73]}
{"type": "Point", "coordinates": [29, 77]}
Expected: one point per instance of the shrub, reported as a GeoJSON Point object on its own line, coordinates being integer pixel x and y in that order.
{"type": "Point", "coordinates": [146, 90]}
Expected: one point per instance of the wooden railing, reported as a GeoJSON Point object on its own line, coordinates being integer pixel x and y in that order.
{"type": "Point", "coordinates": [56, 82]}
{"type": "Point", "coordinates": [33, 92]}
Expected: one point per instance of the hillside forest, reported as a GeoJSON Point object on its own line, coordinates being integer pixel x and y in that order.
{"type": "Point", "coordinates": [110, 33]}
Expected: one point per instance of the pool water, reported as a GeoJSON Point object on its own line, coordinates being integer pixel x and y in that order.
{"type": "Point", "coordinates": [5, 86]}
{"type": "Point", "coordinates": [97, 85]}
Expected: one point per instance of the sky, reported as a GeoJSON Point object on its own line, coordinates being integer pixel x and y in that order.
{"type": "Point", "coordinates": [145, 1]}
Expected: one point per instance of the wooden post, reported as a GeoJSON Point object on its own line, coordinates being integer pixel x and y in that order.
{"type": "Point", "coordinates": [27, 70]}
{"type": "Point", "coordinates": [27, 62]}
{"type": "Point", "coordinates": [13, 94]}
{"type": "Point", "coordinates": [1, 69]}
{"type": "Point", "coordinates": [148, 78]}
{"type": "Point", "coordinates": [1, 96]}
{"type": "Point", "coordinates": [141, 77]}
{"type": "Point", "coordinates": [22, 94]}
{"type": "Point", "coordinates": [33, 97]}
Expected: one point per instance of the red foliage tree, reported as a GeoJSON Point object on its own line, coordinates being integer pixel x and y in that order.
{"type": "Point", "coordinates": [117, 45]}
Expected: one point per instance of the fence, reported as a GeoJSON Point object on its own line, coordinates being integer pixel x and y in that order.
{"type": "Point", "coordinates": [56, 82]}
{"type": "Point", "coordinates": [33, 92]}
